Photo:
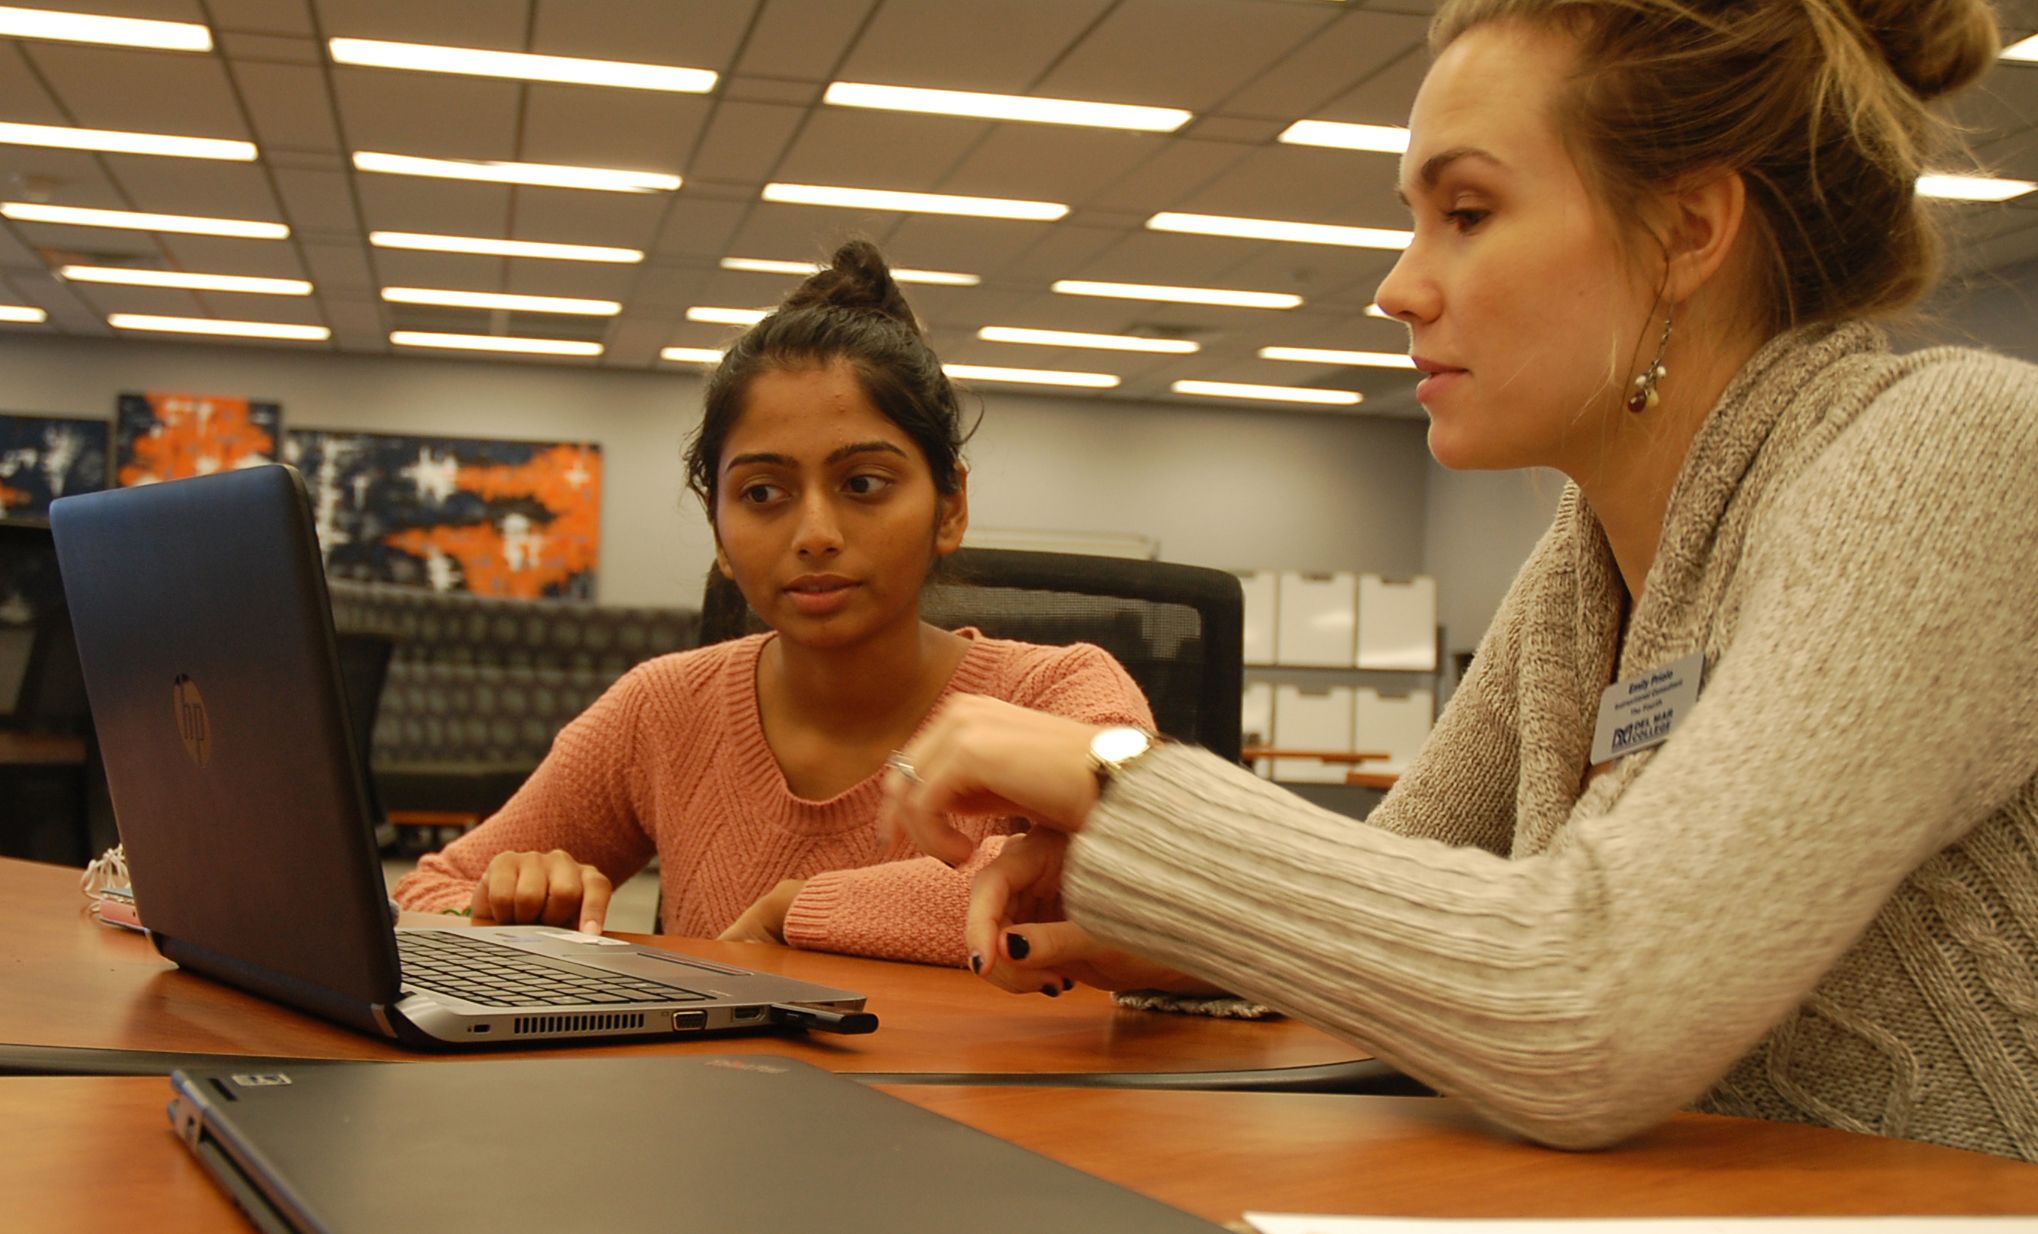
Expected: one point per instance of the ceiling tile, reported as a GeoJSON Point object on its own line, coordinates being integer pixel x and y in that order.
{"type": "Point", "coordinates": [1002, 46]}
{"type": "Point", "coordinates": [1181, 53]}
{"type": "Point", "coordinates": [1045, 162]}
{"type": "Point", "coordinates": [1328, 65]}
{"type": "Point", "coordinates": [1383, 98]}
{"type": "Point", "coordinates": [633, 343]}
{"type": "Point", "coordinates": [337, 268]}
{"type": "Point", "coordinates": [635, 130]}
{"type": "Point", "coordinates": [697, 227]}
{"type": "Point", "coordinates": [356, 327]}
{"type": "Point", "coordinates": [150, 10]}
{"type": "Point", "coordinates": [283, 49]}
{"type": "Point", "coordinates": [497, 25]}
{"type": "Point", "coordinates": [774, 230]}
{"type": "Point", "coordinates": [287, 105]}
{"type": "Point", "coordinates": [1051, 257]}
{"type": "Point", "coordinates": [233, 306]}
{"type": "Point", "coordinates": [195, 186]}
{"type": "Point", "coordinates": [22, 98]}
{"type": "Point", "coordinates": [263, 16]}
{"type": "Point", "coordinates": [745, 141]}
{"type": "Point", "coordinates": [879, 150]}
{"type": "Point", "coordinates": [411, 268]}
{"type": "Point", "coordinates": [667, 292]}
{"type": "Point", "coordinates": [1306, 184]}
{"type": "Point", "coordinates": [748, 88]}
{"type": "Point", "coordinates": [60, 300]}
{"type": "Point", "coordinates": [275, 259]}
{"type": "Point", "coordinates": [142, 91]}
{"type": "Point", "coordinates": [584, 279]}
{"type": "Point", "coordinates": [437, 207]}
{"type": "Point", "coordinates": [802, 38]}
{"type": "Point", "coordinates": [582, 216]}
{"type": "Point", "coordinates": [66, 177]}
{"type": "Point", "coordinates": [105, 298]}
{"type": "Point", "coordinates": [1180, 168]}
{"type": "Point", "coordinates": [697, 34]}
{"type": "Point", "coordinates": [111, 245]}
{"type": "Point", "coordinates": [317, 202]}
{"type": "Point", "coordinates": [428, 115]}
{"type": "Point", "coordinates": [943, 242]}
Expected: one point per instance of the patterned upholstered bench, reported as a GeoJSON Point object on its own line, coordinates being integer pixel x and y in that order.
{"type": "Point", "coordinates": [478, 687]}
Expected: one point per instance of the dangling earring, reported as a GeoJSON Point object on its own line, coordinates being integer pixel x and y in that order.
{"type": "Point", "coordinates": [1645, 398]}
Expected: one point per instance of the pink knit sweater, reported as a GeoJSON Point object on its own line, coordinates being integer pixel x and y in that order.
{"type": "Point", "coordinates": [672, 760]}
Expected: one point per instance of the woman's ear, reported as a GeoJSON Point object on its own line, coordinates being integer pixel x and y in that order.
{"type": "Point", "coordinates": [952, 519]}
{"type": "Point", "coordinates": [1703, 221]}
{"type": "Point", "coordinates": [722, 560]}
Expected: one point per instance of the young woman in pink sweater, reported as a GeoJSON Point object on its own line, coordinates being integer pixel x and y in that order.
{"type": "Point", "coordinates": [828, 460]}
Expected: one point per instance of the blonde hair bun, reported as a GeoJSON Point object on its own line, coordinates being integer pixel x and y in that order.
{"type": "Point", "coordinates": [1935, 47]}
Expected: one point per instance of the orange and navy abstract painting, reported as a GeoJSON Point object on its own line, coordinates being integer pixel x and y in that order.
{"type": "Point", "coordinates": [43, 458]}
{"type": "Point", "coordinates": [498, 518]}
{"type": "Point", "coordinates": [171, 436]}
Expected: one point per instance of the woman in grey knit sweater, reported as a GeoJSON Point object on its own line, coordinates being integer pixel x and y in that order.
{"type": "Point", "coordinates": [1648, 236]}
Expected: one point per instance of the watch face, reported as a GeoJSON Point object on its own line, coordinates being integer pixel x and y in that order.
{"type": "Point", "coordinates": [1115, 745]}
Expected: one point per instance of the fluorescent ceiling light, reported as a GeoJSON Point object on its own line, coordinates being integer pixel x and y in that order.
{"type": "Point", "coordinates": [178, 278]}
{"type": "Point", "coordinates": [1274, 229]}
{"type": "Point", "coordinates": [1030, 376]}
{"type": "Point", "coordinates": [1374, 310]}
{"type": "Point", "coordinates": [726, 316]}
{"type": "Point", "coordinates": [691, 355]}
{"type": "Point", "coordinates": [36, 212]}
{"type": "Point", "coordinates": [493, 300]}
{"type": "Point", "coordinates": [764, 265]}
{"type": "Point", "coordinates": [64, 137]}
{"type": "Point", "coordinates": [492, 342]}
{"type": "Point", "coordinates": [1385, 138]}
{"type": "Point", "coordinates": [1178, 295]}
{"type": "Point", "coordinates": [500, 248]}
{"type": "Point", "coordinates": [1007, 107]}
{"type": "Point", "coordinates": [90, 28]}
{"type": "Point", "coordinates": [919, 203]}
{"type": "Point", "coordinates": [426, 58]}
{"type": "Point", "coordinates": [1069, 338]}
{"type": "Point", "coordinates": [21, 312]}
{"type": "Point", "coordinates": [547, 174]}
{"type": "Point", "coordinates": [1316, 355]}
{"type": "Point", "coordinates": [1285, 394]}
{"type": "Point", "coordinates": [1973, 188]}
{"type": "Point", "coordinates": [209, 325]}
{"type": "Point", "coordinates": [2024, 51]}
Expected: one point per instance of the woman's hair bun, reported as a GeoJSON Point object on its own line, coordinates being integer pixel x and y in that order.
{"type": "Point", "coordinates": [1934, 46]}
{"type": "Point", "coordinates": [856, 277]}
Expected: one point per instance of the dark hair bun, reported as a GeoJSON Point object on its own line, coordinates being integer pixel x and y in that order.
{"type": "Point", "coordinates": [1935, 46]}
{"type": "Point", "coordinates": [856, 277]}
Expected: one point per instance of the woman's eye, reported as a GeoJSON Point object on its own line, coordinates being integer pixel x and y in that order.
{"type": "Point", "coordinates": [866, 486]}
{"type": "Point", "coordinates": [1465, 219]}
{"type": "Point", "coordinates": [760, 494]}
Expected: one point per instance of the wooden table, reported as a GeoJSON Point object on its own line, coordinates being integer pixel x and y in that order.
{"type": "Point", "coordinates": [68, 981]}
{"type": "Point", "coordinates": [96, 1153]}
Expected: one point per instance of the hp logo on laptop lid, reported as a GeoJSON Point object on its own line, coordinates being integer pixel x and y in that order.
{"type": "Point", "coordinates": [193, 725]}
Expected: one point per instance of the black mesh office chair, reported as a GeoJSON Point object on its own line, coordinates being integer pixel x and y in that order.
{"type": "Point", "coordinates": [1179, 630]}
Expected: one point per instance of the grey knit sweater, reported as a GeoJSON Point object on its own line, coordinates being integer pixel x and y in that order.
{"type": "Point", "coordinates": [1817, 902]}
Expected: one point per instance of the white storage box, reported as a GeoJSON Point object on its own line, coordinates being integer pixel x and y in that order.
{"type": "Point", "coordinates": [1393, 726]}
{"type": "Point", "coordinates": [1316, 722]}
{"type": "Point", "coordinates": [1317, 620]}
{"type": "Point", "coordinates": [1262, 593]}
{"type": "Point", "coordinates": [1397, 623]}
{"type": "Point", "coordinates": [1256, 722]}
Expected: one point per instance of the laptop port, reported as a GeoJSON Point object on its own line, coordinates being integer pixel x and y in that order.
{"type": "Point", "coordinates": [745, 1014]}
{"type": "Point", "coordinates": [479, 1028]}
{"type": "Point", "coordinates": [689, 1021]}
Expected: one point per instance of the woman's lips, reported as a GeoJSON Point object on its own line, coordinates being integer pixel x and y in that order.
{"type": "Point", "coordinates": [1438, 379]}
{"type": "Point", "coordinates": [820, 596]}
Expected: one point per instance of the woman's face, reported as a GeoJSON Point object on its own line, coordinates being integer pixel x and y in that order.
{"type": "Point", "coordinates": [826, 515]}
{"type": "Point", "coordinates": [1523, 314]}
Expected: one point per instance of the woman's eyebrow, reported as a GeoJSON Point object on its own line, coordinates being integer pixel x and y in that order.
{"type": "Point", "coordinates": [1433, 167]}
{"type": "Point", "coordinates": [865, 447]}
{"type": "Point", "coordinates": [770, 460]}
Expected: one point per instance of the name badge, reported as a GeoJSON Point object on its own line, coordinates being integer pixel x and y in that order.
{"type": "Point", "coordinates": [1641, 711]}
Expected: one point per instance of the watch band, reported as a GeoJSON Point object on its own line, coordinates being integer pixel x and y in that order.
{"type": "Point", "coordinates": [1116, 748]}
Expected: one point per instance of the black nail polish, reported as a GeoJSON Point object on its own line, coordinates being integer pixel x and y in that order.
{"type": "Point", "coordinates": [1050, 991]}
{"type": "Point", "coordinates": [1066, 984]}
{"type": "Point", "coordinates": [1017, 945]}
{"type": "Point", "coordinates": [976, 962]}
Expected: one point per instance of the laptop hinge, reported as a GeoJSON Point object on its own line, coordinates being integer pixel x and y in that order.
{"type": "Point", "coordinates": [277, 987]}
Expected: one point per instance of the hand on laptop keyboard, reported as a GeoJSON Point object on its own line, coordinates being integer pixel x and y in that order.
{"type": "Point", "coordinates": [552, 888]}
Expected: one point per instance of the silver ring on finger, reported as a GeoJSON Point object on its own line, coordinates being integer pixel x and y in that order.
{"type": "Point", "coordinates": [898, 762]}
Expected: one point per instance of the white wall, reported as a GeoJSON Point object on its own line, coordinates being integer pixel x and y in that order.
{"type": "Point", "coordinates": [1480, 527]}
{"type": "Point", "coordinates": [1216, 486]}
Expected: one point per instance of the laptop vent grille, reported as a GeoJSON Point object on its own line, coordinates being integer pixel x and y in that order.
{"type": "Point", "coordinates": [603, 1022]}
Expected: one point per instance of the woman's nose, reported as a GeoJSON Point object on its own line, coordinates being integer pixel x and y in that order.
{"type": "Point", "coordinates": [820, 533]}
{"type": "Point", "coordinates": [1405, 295]}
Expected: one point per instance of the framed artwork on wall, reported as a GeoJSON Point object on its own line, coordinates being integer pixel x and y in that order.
{"type": "Point", "coordinates": [43, 458]}
{"type": "Point", "coordinates": [499, 518]}
{"type": "Point", "coordinates": [171, 436]}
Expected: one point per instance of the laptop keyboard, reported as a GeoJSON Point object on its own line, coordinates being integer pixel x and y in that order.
{"type": "Point", "coordinates": [493, 975]}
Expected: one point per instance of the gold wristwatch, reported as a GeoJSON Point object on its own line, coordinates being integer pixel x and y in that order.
{"type": "Point", "coordinates": [1115, 749]}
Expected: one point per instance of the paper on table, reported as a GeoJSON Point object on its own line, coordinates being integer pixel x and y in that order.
{"type": "Point", "coordinates": [1302, 1223]}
